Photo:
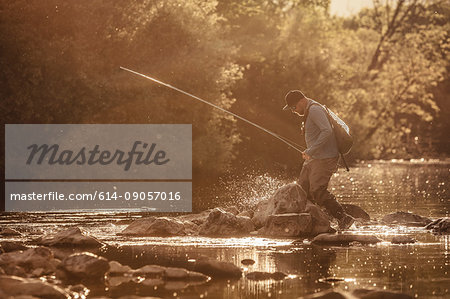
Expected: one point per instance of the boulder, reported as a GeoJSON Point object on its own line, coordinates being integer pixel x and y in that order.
{"type": "Point", "coordinates": [222, 223]}
{"type": "Point", "coordinates": [159, 226]}
{"type": "Point", "coordinates": [320, 221]}
{"type": "Point", "coordinates": [440, 226]}
{"type": "Point", "coordinates": [290, 198]}
{"type": "Point", "coordinates": [218, 269]}
{"type": "Point", "coordinates": [73, 237]}
{"type": "Point", "coordinates": [247, 262]}
{"type": "Point", "coordinates": [116, 268]}
{"type": "Point", "coordinates": [8, 246]}
{"type": "Point", "coordinates": [9, 232]}
{"type": "Point", "coordinates": [344, 239]}
{"type": "Point", "coordinates": [85, 266]}
{"type": "Point", "coordinates": [257, 275]}
{"type": "Point", "coordinates": [402, 240]}
{"type": "Point", "coordinates": [197, 219]}
{"type": "Point", "coordinates": [287, 225]}
{"type": "Point", "coordinates": [246, 213]}
{"type": "Point", "coordinates": [356, 212]}
{"type": "Point", "coordinates": [405, 218]}
{"type": "Point", "coordinates": [13, 286]}
{"type": "Point", "coordinates": [25, 262]}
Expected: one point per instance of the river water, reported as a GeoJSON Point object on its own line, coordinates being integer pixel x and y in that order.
{"type": "Point", "coordinates": [420, 269]}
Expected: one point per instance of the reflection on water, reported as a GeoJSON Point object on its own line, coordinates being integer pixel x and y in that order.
{"type": "Point", "coordinates": [420, 269]}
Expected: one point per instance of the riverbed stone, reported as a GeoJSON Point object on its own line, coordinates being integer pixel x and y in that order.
{"type": "Point", "coordinates": [13, 286]}
{"type": "Point", "coordinates": [215, 268]}
{"type": "Point", "coordinates": [320, 223]}
{"type": "Point", "coordinates": [116, 268]}
{"type": "Point", "coordinates": [159, 226]}
{"type": "Point", "coordinates": [356, 212]}
{"type": "Point", "coordinates": [344, 239]}
{"type": "Point", "coordinates": [222, 223]}
{"type": "Point", "coordinates": [440, 226]}
{"type": "Point", "coordinates": [330, 294]}
{"type": "Point", "coordinates": [9, 246]}
{"type": "Point", "coordinates": [23, 263]}
{"type": "Point", "coordinates": [287, 225]}
{"type": "Point", "coordinates": [71, 237]}
{"type": "Point", "coordinates": [403, 240]}
{"type": "Point", "coordinates": [290, 198]}
{"type": "Point", "coordinates": [85, 266]}
{"type": "Point", "coordinates": [9, 232]}
{"type": "Point", "coordinates": [406, 218]}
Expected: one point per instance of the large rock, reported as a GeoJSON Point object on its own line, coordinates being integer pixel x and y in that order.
{"type": "Point", "coordinates": [290, 198]}
{"type": "Point", "coordinates": [161, 226]}
{"type": "Point", "coordinates": [85, 266]}
{"type": "Point", "coordinates": [13, 286]}
{"type": "Point", "coordinates": [356, 212]}
{"type": "Point", "coordinates": [38, 260]}
{"type": "Point", "coordinates": [287, 225]}
{"type": "Point", "coordinates": [8, 246]}
{"type": "Point", "coordinates": [218, 269]}
{"type": "Point", "coordinates": [320, 221]}
{"type": "Point", "coordinates": [222, 223]}
{"type": "Point", "coordinates": [73, 237]}
{"type": "Point", "coordinates": [344, 239]}
{"type": "Point", "coordinates": [440, 226]}
{"type": "Point", "coordinates": [406, 218]}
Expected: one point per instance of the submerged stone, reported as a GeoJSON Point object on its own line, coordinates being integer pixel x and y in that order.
{"type": "Point", "coordinates": [258, 275]}
{"type": "Point", "coordinates": [247, 262]}
{"type": "Point", "coordinates": [402, 240]}
{"type": "Point", "coordinates": [216, 268]}
{"type": "Point", "coordinates": [344, 239]}
{"type": "Point", "coordinates": [376, 294]}
{"type": "Point", "coordinates": [405, 218]}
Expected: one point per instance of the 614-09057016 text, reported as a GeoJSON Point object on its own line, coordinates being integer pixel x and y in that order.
{"type": "Point", "coordinates": [102, 195]}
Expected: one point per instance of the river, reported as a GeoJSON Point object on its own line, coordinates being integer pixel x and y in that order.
{"type": "Point", "coordinates": [380, 187]}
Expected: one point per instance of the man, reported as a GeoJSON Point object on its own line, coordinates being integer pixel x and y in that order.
{"type": "Point", "coordinates": [321, 155]}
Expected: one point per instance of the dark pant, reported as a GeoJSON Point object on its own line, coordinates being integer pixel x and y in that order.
{"type": "Point", "coordinates": [314, 179]}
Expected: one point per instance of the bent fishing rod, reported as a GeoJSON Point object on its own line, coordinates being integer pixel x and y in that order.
{"type": "Point", "coordinates": [292, 144]}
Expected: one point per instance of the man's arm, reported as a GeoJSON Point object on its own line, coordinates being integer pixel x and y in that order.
{"type": "Point", "coordinates": [318, 115]}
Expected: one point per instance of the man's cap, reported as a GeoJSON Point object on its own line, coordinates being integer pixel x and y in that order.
{"type": "Point", "coordinates": [292, 98]}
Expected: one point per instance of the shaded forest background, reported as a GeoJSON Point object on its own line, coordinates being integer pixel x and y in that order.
{"type": "Point", "coordinates": [384, 71]}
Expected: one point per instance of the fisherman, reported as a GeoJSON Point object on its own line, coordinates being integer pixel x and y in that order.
{"type": "Point", "coordinates": [321, 155]}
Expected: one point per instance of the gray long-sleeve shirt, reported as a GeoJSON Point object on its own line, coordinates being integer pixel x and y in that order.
{"type": "Point", "coordinates": [320, 140]}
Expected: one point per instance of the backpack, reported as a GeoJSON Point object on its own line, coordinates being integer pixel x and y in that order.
{"type": "Point", "coordinates": [344, 139]}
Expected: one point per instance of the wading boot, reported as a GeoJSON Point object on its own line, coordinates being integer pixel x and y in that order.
{"type": "Point", "coordinates": [346, 221]}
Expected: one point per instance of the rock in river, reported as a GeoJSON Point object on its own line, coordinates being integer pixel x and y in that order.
{"type": "Point", "coordinates": [13, 286]}
{"type": "Point", "coordinates": [85, 266]}
{"type": "Point", "coordinates": [287, 225]}
{"type": "Point", "coordinates": [216, 268]}
{"type": "Point", "coordinates": [70, 237]}
{"type": "Point", "coordinates": [402, 240]}
{"type": "Point", "coordinates": [7, 232]}
{"type": "Point", "coordinates": [159, 226]}
{"type": "Point", "coordinates": [405, 218]}
{"type": "Point", "coordinates": [38, 260]}
{"type": "Point", "coordinates": [222, 223]}
{"type": "Point", "coordinates": [344, 239]}
{"type": "Point", "coordinates": [290, 198]}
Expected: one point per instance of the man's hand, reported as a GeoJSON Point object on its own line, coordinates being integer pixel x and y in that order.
{"type": "Point", "coordinates": [305, 156]}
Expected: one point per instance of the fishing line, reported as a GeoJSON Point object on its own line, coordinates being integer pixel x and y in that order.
{"type": "Point", "coordinates": [292, 144]}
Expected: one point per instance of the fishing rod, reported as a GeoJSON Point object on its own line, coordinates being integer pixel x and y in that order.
{"type": "Point", "coordinates": [292, 144]}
